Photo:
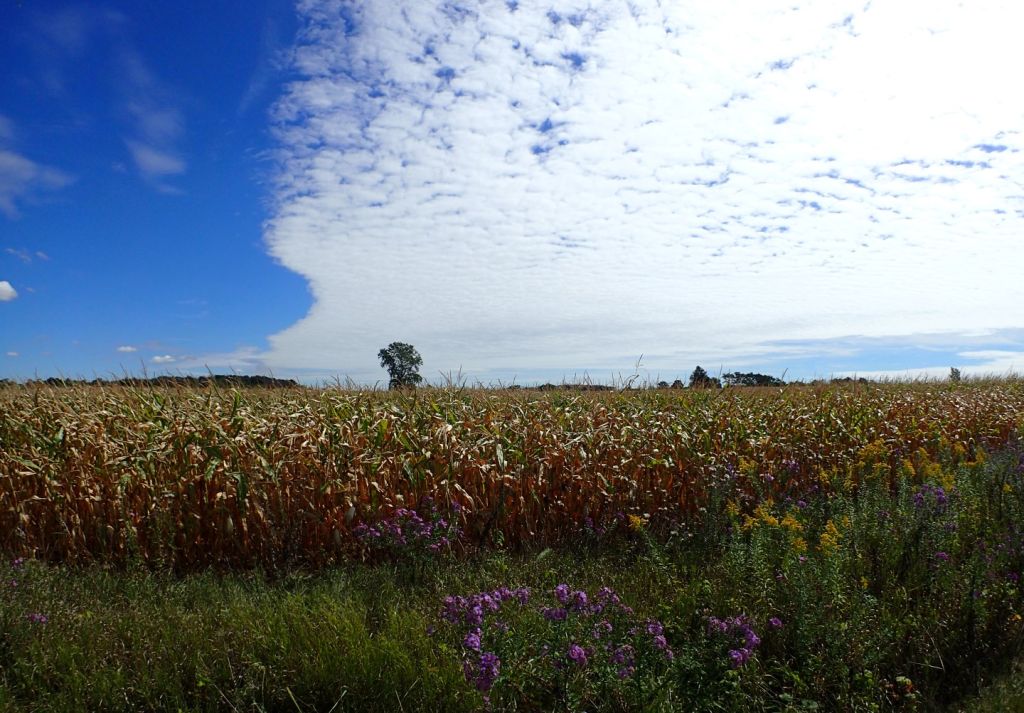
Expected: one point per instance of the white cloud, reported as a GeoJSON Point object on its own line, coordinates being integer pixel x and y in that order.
{"type": "Point", "coordinates": [157, 124]}
{"type": "Point", "coordinates": [22, 179]}
{"type": "Point", "coordinates": [7, 291]}
{"type": "Point", "coordinates": [165, 359]}
{"type": "Point", "coordinates": [13, 354]}
{"type": "Point", "coordinates": [569, 185]}
{"type": "Point", "coordinates": [154, 163]}
{"type": "Point", "coordinates": [127, 349]}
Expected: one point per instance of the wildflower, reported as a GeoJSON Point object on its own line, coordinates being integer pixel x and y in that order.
{"type": "Point", "coordinates": [472, 640]}
{"type": "Point", "coordinates": [623, 655]}
{"type": "Point", "coordinates": [562, 593]}
{"type": "Point", "coordinates": [37, 618]}
{"type": "Point", "coordinates": [577, 655]}
{"type": "Point", "coordinates": [579, 600]}
{"type": "Point", "coordinates": [636, 523]}
{"type": "Point", "coordinates": [942, 556]}
{"type": "Point", "coordinates": [738, 657]}
{"type": "Point", "coordinates": [18, 563]}
{"type": "Point", "coordinates": [485, 673]}
{"type": "Point", "coordinates": [791, 523]}
{"type": "Point", "coordinates": [775, 622]}
{"type": "Point", "coordinates": [557, 614]}
{"type": "Point", "coordinates": [828, 543]}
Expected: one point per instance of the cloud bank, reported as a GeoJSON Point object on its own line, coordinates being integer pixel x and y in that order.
{"type": "Point", "coordinates": [522, 185]}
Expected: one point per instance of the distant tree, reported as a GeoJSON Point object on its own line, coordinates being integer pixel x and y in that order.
{"type": "Point", "coordinates": [699, 379]}
{"type": "Point", "coordinates": [751, 379]}
{"type": "Point", "coordinates": [403, 363]}
{"type": "Point", "coordinates": [662, 384]}
{"type": "Point", "coordinates": [678, 384]}
{"type": "Point", "coordinates": [954, 374]}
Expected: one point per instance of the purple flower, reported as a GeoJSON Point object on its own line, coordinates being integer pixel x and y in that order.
{"type": "Point", "coordinates": [484, 673]}
{"type": "Point", "coordinates": [625, 672]}
{"type": "Point", "coordinates": [738, 657]}
{"type": "Point", "coordinates": [472, 640]}
{"type": "Point", "coordinates": [577, 655]}
{"type": "Point", "coordinates": [37, 618]}
{"type": "Point", "coordinates": [579, 600]}
{"type": "Point", "coordinates": [660, 642]}
{"type": "Point", "coordinates": [603, 627]}
{"type": "Point", "coordinates": [562, 592]}
{"type": "Point", "coordinates": [775, 622]}
{"type": "Point", "coordinates": [18, 563]}
{"type": "Point", "coordinates": [559, 614]}
{"type": "Point", "coordinates": [623, 655]}
{"type": "Point", "coordinates": [654, 628]}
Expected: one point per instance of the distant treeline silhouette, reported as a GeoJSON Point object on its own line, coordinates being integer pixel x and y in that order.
{"type": "Point", "coordinates": [220, 380]}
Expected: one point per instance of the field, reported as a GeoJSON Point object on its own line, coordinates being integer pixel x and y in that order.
{"type": "Point", "coordinates": [837, 547]}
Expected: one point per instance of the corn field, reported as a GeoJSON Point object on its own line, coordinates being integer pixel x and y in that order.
{"type": "Point", "coordinates": [187, 478]}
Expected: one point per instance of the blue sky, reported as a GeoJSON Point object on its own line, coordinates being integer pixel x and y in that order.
{"type": "Point", "coordinates": [522, 190]}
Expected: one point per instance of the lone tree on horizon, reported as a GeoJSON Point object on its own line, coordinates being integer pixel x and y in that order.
{"type": "Point", "coordinates": [699, 379]}
{"type": "Point", "coordinates": [403, 363]}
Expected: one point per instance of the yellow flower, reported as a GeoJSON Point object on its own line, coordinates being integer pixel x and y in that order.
{"type": "Point", "coordinates": [907, 471]}
{"type": "Point", "coordinates": [732, 508]}
{"type": "Point", "coordinates": [636, 523]}
{"type": "Point", "coordinates": [863, 582]}
{"type": "Point", "coordinates": [1007, 488]}
{"type": "Point", "coordinates": [791, 523]}
{"type": "Point", "coordinates": [799, 544]}
{"type": "Point", "coordinates": [829, 541]}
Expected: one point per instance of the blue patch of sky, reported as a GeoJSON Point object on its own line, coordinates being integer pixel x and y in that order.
{"type": "Point", "coordinates": [781, 119]}
{"type": "Point", "coordinates": [348, 18]}
{"type": "Point", "coordinates": [991, 148]}
{"type": "Point", "coordinates": [782, 64]}
{"type": "Point", "coordinates": [576, 59]}
{"type": "Point", "coordinates": [125, 256]}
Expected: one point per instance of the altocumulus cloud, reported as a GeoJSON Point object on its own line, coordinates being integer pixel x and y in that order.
{"type": "Point", "coordinates": [566, 185]}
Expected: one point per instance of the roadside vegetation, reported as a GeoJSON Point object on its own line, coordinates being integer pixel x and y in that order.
{"type": "Point", "coordinates": [832, 548]}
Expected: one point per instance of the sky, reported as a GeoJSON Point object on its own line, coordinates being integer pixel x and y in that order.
{"type": "Point", "coordinates": [524, 191]}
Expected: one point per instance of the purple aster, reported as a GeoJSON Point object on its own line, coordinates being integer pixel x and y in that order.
{"type": "Point", "coordinates": [472, 640]}
{"type": "Point", "coordinates": [577, 655]}
{"type": "Point", "coordinates": [558, 614]}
